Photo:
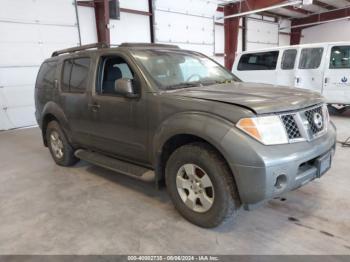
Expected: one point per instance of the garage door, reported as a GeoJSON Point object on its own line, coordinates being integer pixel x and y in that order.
{"type": "Point", "coordinates": [138, 24]}
{"type": "Point", "coordinates": [261, 34]}
{"type": "Point", "coordinates": [30, 31]}
{"type": "Point", "coordinates": [188, 24]}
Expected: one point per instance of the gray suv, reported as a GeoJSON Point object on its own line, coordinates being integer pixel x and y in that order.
{"type": "Point", "coordinates": [215, 142]}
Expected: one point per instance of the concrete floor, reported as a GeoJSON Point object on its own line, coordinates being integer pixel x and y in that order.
{"type": "Point", "coordinates": [47, 209]}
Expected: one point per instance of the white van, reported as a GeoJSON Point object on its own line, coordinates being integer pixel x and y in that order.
{"type": "Point", "coordinates": [323, 67]}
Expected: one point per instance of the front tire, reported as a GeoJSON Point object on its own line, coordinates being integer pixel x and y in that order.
{"type": "Point", "coordinates": [201, 185]}
{"type": "Point", "coordinates": [61, 151]}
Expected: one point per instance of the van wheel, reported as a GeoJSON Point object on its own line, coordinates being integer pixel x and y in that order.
{"type": "Point", "coordinates": [201, 185]}
{"type": "Point", "coordinates": [60, 149]}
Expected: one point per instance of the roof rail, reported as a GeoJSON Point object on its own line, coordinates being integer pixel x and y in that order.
{"type": "Point", "coordinates": [79, 48]}
{"type": "Point", "coordinates": [148, 45]}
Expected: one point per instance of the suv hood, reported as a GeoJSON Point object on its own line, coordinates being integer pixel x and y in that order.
{"type": "Point", "coordinates": [260, 98]}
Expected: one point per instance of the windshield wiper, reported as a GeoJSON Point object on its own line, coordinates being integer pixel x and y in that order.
{"type": "Point", "coordinates": [197, 83]}
{"type": "Point", "coordinates": [226, 81]}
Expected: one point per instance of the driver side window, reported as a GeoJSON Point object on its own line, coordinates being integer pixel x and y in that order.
{"type": "Point", "coordinates": [112, 69]}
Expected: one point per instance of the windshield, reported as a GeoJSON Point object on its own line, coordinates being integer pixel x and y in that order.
{"type": "Point", "coordinates": [173, 69]}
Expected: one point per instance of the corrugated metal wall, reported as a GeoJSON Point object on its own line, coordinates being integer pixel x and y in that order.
{"type": "Point", "coordinates": [187, 23]}
{"type": "Point", "coordinates": [131, 27]}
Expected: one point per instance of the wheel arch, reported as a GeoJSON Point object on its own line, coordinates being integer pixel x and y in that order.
{"type": "Point", "coordinates": [181, 130]}
{"type": "Point", "coordinates": [52, 112]}
{"type": "Point", "coordinates": [176, 142]}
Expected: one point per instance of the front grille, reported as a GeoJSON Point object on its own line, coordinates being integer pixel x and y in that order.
{"type": "Point", "coordinates": [291, 127]}
{"type": "Point", "coordinates": [310, 114]}
{"type": "Point", "coordinates": [304, 125]}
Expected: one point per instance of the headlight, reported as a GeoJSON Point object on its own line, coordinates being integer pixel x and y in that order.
{"type": "Point", "coordinates": [268, 130]}
{"type": "Point", "coordinates": [327, 118]}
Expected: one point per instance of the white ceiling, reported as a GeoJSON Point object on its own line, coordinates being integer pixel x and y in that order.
{"type": "Point", "coordinates": [287, 12]}
{"type": "Point", "coordinates": [310, 9]}
{"type": "Point", "coordinates": [336, 3]}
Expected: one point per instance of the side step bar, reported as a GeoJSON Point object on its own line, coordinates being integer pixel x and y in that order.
{"type": "Point", "coordinates": [110, 163]}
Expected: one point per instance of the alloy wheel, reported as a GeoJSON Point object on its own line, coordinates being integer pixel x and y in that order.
{"type": "Point", "coordinates": [195, 188]}
{"type": "Point", "coordinates": [56, 144]}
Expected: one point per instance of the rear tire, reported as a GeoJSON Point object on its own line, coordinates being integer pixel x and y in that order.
{"type": "Point", "coordinates": [61, 151]}
{"type": "Point", "coordinates": [201, 185]}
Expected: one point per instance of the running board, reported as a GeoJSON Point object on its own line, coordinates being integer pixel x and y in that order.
{"type": "Point", "coordinates": [110, 163]}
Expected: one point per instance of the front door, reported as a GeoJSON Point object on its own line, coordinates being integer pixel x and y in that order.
{"type": "Point", "coordinates": [120, 123]}
{"type": "Point", "coordinates": [336, 87]}
{"type": "Point", "coordinates": [309, 74]}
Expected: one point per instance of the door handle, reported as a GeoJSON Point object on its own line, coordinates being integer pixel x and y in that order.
{"type": "Point", "coordinates": [94, 107]}
{"type": "Point", "coordinates": [326, 80]}
{"type": "Point", "coordinates": [297, 80]}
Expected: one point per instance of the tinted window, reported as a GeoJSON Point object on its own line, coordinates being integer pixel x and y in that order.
{"type": "Point", "coordinates": [46, 75]}
{"type": "Point", "coordinates": [79, 75]}
{"type": "Point", "coordinates": [288, 59]}
{"type": "Point", "coordinates": [67, 69]}
{"type": "Point", "coordinates": [310, 58]}
{"type": "Point", "coordinates": [340, 57]}
{"type": "Point", "coordinates": [75, 74]}
{"type": "Point", "coordinates": [258, 61]}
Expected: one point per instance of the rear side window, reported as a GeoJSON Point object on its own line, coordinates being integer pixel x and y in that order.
{"type": "Point", "coordinates": [310, 58]}
{"type": "Point", "coordinates": [75, 74]}
{"type": "Point", "coordinates": [46, 75]}
{"type": "Point", "coordinates": [258, 61]}
{"type": "Point", "coordinates": [340, 57]}
{"type": "Point", "coordinates": [288, 59]}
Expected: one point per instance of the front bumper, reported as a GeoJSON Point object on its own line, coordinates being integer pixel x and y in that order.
{"type": "Point", "coordinates": [263, 172]}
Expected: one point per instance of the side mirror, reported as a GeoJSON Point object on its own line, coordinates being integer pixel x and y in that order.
{"type": "Point", "coordinates": [125, 88]}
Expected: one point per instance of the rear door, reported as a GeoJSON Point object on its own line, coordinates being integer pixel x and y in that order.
{"type": "Point", "coordinates": [309, 74]}
{"type": "Point", "coordinates": [336, 87]}
{"type": "Point", "coordinates": [75, 77]}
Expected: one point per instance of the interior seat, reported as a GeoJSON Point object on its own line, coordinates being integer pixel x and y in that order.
{"type": "Point", "coordinates": [111, 74]}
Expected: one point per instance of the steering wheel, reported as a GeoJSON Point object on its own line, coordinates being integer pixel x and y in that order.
{"type": "Point", "coordinates": [192, 76]}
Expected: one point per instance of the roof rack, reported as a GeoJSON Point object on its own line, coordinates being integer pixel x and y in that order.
{"type": "Point", "coordinates": [79, 48]}
{"type": "Point", "coordinates": [148, 45]}
{"type": "Point", "coordinates": [104, 45]}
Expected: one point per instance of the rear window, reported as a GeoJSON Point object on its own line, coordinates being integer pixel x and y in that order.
{"type": "Point", "coordinates": [288, 59]}
{"type": "Point", "coordinates": [340, 57]}
{"type": "Point", "coordinates": [46, 75]}
{"type": "Point", "coordinates": [258, 61]}
{"type": "Point", "coordinates": [75, 75]}
{"type": "Point", "coordinates": [310, 58]}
